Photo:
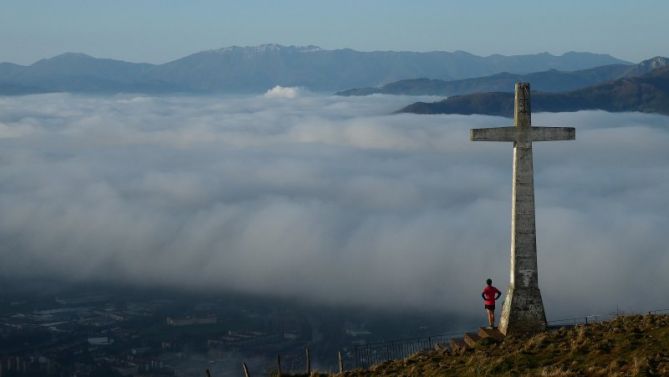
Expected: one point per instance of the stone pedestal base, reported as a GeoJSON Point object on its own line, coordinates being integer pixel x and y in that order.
{"type": "Point", "coordinates": [523, 312]}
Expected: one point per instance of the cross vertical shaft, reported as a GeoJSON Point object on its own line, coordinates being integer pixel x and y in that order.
{"type": "Point", "coordinates": [523, 310]}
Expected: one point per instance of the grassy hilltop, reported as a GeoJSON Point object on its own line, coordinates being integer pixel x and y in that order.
{"type": "Point", "coordinates": [626, 346]}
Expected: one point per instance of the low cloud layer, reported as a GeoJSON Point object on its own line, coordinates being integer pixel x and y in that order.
{"type": "Point", "coordinates": [327, 198]}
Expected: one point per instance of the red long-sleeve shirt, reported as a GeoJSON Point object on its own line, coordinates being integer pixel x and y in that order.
{"type": "Point", "coordinates": [489, 293]}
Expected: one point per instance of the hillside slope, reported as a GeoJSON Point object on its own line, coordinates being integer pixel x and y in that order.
{"type": "Point", "coordinates": [648, 93]}
{"type": "Point", "coordinates": [545, 81]}
{"type": "Point", "coordinates": [626, 346]}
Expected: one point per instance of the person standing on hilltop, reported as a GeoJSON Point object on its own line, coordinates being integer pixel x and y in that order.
{"type": "Point", "coordinates": [490, 294]}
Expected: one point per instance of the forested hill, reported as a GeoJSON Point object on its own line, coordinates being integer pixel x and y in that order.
{"type": "Point", "coordinates": [648, 93]}
{"type": "Point", "coordinates": [546, 81]}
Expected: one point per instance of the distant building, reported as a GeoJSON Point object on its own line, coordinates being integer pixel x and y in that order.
{"type": "Point", "coordinates": [31, 365]}
{"type": "Point", "coordinates": [356, 330]}
{"type": "Point", "coordinates": [100, 341]}
{"type": "Point", "coordinates": [290, 336]}
{"type": "Point", "coordinates": [210, 320]}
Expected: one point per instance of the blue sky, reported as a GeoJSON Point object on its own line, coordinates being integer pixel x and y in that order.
{"type": "Point", "coordinates": [161, 30]}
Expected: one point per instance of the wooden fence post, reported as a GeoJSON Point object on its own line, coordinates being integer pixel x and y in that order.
{"type": "Point", "coordinates": [308, 362]}
{"type": "Point", "coordinates": [208, 372]}
{"type": "Point", "coordinates": [246, 370]}
{"type": "Point", "coordinates": [341, 362]}
{"type": "Point", "coordinates": [278, 365]}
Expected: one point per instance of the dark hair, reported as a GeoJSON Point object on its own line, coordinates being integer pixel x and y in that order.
{"type": "Point", "coordinates": [489, 281]}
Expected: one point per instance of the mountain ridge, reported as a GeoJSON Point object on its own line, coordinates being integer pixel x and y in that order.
{"type": "Point", "coordinates": [546, 81]}
{"type": "Point", "coordinates": [256, 69]}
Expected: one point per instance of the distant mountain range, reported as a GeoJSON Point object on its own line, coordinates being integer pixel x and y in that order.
{"type": "Point", "coordinates": [546, 81]}
{"type": "Point", "coordinates": [256, 69]}
{"type": "Point", "coordinates": [646, 93]}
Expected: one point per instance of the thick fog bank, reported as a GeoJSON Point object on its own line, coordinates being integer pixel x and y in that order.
{"type": "Point", "coordinates": [327, 198]}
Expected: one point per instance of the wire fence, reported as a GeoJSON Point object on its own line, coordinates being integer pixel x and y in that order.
{"type": "Point", "coordinates": [584, 320]}
{"type": "Point", "coordinates": [369, 354]}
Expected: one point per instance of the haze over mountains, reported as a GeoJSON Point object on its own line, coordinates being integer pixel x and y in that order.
{"type": "Point", "coordinates": [256, 69]}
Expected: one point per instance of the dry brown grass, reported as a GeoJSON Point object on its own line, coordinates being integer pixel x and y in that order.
{"type": "Point", "coordinates": [555, 372]}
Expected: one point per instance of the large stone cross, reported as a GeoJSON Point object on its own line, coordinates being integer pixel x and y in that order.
{"type": "Point", "coordinates": [523, 309]}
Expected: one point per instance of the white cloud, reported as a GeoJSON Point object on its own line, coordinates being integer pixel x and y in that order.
{"type": "Point", "coordinates": [282, 92]}
{"type": "Point", "coordinates": [328, 198]}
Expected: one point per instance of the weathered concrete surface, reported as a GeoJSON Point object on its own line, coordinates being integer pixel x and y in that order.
{"type": "Point", "coordinates": [523, 309]}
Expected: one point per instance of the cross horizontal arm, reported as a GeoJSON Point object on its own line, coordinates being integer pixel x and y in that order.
{"type": "Point", "coordinates": [553, 133]}
{"type": "Point", "coordinates": [493, 134]}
